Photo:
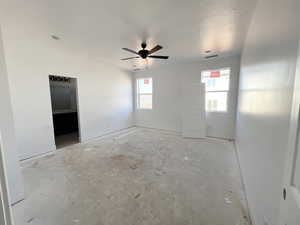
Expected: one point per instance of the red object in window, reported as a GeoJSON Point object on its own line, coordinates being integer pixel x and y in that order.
{"type": "Point", "coordinates": [215, 74]}
{"type": "Point", "coordinates": [146, 81]}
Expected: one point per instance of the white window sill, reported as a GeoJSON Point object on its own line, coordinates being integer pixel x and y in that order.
{"type": "Point", "coordinates": [143, 109]}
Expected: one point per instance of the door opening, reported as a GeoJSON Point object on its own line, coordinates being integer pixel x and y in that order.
{"type": "Point", "coordinates": [290, 201]}
{"type": "Point", "coordinates": [64, 103]}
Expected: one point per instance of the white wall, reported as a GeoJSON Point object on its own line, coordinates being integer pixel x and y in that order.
{"type": "Point", "coordinates": [105, 92]}
{"type": "Point", "coordinates": [167, 92]}
{"type": "Point", "coordinates": [15, 181]}
{"type": "Point", "coordinates": [266, 87]}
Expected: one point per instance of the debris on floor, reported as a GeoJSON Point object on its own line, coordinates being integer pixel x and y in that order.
{"type": "Point", "coordinates": [227, 201]}
{"type": "Point", "coordinates": [137, 195]}
{"type": "Point", "coordinates": [30, 220]}
{"type": "Point", "coordinates": [134, 166]}
{"type": "Point", "coordinates": [149, 177]}
{"type": "Point", "coordinates": [88, 149]}
{"type": "Point", "coordinates": [158, 173]}
{"type": "Point", "coordinates": [228, 197]}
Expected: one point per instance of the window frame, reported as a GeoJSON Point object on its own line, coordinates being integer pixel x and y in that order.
{"type": "Point", "coordinates": [218, 91]}
{"type": "Point", "coordinates": [137, 94]}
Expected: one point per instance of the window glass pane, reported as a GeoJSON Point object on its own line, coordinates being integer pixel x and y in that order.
{"type": "Point", "coordinates": [216, 101]}
{"type": "Point", "coordinates": [144, 93]}
{"type": "Point", "coordinates": [145, 101]}
{"type": "Point", "coordinates": [144, 86]}
{"type": "Point", "coordinates": [216, 80]}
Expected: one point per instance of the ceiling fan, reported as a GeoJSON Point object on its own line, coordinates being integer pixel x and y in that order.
{"type": "Point", "coordinates": [144, 53]}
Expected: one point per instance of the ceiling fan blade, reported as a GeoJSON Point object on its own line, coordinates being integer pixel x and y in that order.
{"type": "Point", "coordinates": [158, 57]}
{"type": "Point", "coordinates": [135, 57]}
{"type": "Point", "coordinates": [155, 49]}
{"type": "Point", "coordinates": [129, 50]}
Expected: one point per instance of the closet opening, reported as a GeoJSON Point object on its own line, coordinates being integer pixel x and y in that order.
{"type": "Point", "coordinates": [63, 91]}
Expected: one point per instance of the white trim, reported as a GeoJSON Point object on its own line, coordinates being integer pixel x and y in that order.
{"type": "Point", "coordinates": [248, 210]}
{"type": "Point", "coordinates": [123, 132]}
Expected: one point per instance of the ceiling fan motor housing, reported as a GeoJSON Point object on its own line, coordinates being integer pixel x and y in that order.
{"type": "Point", "coordinates": [143, 53]}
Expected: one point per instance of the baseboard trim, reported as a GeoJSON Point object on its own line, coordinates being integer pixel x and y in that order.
{"type": "Point", "coordinates": [110, 134]}
{"type": "Point", "coordinates": [160, 129]}
{"type": "Point", "coordinates": [250, 215]}
{"type": "Point", "coordinates": [179, 133]}
{"type": "Point", "coordinates": [55, 151]}
{"type": "Point", "coordinates": [52, 152]}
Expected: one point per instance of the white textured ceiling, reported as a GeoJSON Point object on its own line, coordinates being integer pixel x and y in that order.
{"type": "Point", "coordinates": [100, 28]}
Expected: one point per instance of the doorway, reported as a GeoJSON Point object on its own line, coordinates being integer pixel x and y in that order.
{"type": "Point", "coordinates": [63, 91]}
{"type": "Point", "coordinates": [290, 201]}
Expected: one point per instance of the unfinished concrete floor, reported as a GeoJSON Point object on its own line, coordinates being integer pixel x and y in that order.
{"type": "Point", "coordinates": [145, 177]}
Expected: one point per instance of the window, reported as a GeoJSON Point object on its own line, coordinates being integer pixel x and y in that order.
{"type": "Point", "coordinates": [144, 93]}
{"type": "Point", "coordinates": [217, 87]}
